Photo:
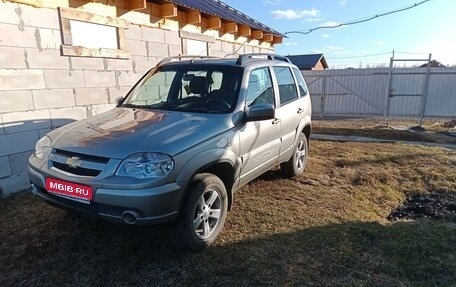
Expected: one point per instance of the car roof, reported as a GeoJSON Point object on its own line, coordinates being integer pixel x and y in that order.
{"type": "Point", "coordinates": [242, 61]}
{"type": "Point", "coordinates": [196, 61]}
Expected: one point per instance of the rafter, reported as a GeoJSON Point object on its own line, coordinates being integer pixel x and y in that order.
{"type": "Point", "coordinates": [277, 40]}
{"type": "Point", "coordinates": [136, 4]}
{"type": "Point", "coordinates": [244, 31]}
{"type": "Point", "coordinates": [268, 38]}
{"type": "Point", "coordinates": [214, 23]}
{"type": "Point", "coordinates": [230, 27]}
{"type": "Point", "coordinates": [257, 34]}
{"type": "Point", "coordinates": [194, 17]}
{"type": "Point", "coordinates": [165, 11]}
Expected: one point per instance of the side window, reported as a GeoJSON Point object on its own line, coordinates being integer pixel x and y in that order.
{"type": "Point", "coordinates": [287, 86]}
{"type": "Point", "coordinates": [260, 89]}
{"type": "Point", "coordinates": [301, 83]}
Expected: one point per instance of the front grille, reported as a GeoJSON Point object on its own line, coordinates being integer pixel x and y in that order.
{"type": "Point", "coordinates": [77, 163]}
{"type": "Point", "coordinates": [81, 156]}
{"type": "Point", "coordinates": [76, 170]}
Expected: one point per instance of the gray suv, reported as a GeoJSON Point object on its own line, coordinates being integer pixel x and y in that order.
{"type": "Point", "coordinates": [188, 135]}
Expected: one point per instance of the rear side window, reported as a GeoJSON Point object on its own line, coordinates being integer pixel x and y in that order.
{"type": "Point", "coordinates": [260, 89]}
{"type": "Point", "coordinates": [287, 86]}
{"type": "Point", "coordinates": [301, 83]}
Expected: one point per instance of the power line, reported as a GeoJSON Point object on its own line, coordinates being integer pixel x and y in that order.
{"type": "Point", "coordinates": [411, 53]}
{"type": "Point", "coordinates": [357, 21]}
{"type": "Point", "coordinates": [372, 55]}
{"type": "Point", "coordinates": [360, 56]}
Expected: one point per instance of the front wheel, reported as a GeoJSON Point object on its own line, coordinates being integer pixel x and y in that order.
{"type": "Point", "coordinates": [298, 161]}
{"type": "Point", "coordinates": [203, 214]}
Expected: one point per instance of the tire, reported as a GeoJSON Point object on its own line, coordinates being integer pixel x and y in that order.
{"type": "Point", "coordinates": [203, 214]}
{"type": "Point", "coordinates": [296, 165]}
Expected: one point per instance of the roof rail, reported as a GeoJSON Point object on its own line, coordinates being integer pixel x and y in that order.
{"type": "Point", "coordinates": [260, 56]}
{"type": "Point", "coordinates": [180, 58]}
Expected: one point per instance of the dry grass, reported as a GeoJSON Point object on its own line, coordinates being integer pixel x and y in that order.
{"type": "Point", "coordinates": [324, 228]}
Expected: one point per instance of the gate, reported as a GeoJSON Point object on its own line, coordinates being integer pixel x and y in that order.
{"type": "Point", "coordinates": [407, 90]}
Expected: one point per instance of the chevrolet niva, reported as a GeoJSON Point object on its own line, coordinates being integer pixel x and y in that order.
{"type": "Point", "coordinates": [188, 135]}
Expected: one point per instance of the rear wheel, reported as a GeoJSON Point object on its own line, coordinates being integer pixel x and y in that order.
{"type": "Point", "coordinates": [203, 214]}
{"type": "Point", "coordinates": [298, 161]}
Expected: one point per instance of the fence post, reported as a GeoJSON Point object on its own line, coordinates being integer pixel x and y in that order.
{"type": "Point", "coordinates": [425, 90]}
{"type": "Point", "coordinates": [323, 96]}
{"type": "Point", "coordinates": [388, 91]}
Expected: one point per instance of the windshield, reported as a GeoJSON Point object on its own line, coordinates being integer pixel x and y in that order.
{"type": "Point", "coordinates": [191, 88]}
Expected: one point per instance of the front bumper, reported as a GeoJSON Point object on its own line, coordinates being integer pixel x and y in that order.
{"type": "Point", "coordinates": [149, 206]}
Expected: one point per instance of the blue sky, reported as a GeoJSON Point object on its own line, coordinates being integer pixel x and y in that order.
{"type": "Point", "coordinates": [427, 28]}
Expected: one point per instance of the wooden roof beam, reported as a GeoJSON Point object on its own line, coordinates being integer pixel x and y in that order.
{"type": "Point", "coordinates": [194, 17]}
{"type": "Point", "coordinates": [268, 38]}
{"type": "Point", "coordinates": [214, 23]}
{"type": "Point", "coordinates": [277, 40]}
{"type": "Point", "coordinates": [230, 27]}
{"type": "Point", "coordinates": [165, 11]}
{"type": "Point", "coordinates": [257, 34]}
{"type": "Point", "coordinates": [244, 31]}
{"type": "Point", "coordinates": [168, 10]}
{"type": "Point", "coordinates": [136, 4]}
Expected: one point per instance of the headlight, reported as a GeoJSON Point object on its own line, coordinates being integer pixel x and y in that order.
{"type": "Point", "coordinates": [43, 148]}
{"type": "Point", "coordinates": [146, 165]}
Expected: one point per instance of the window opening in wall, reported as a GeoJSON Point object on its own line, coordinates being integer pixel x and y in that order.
{"type": "Point", "coordinates": [100, 36]}
{"type": "Point", "coordinates": [195, 47]}
{"type": "Point", "coordinates": [90, 35]}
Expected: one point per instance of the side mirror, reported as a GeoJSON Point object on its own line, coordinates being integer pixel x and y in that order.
{"type": "Point", "coordinates": [119, 101]}
{"type": "Point", "coordinates": [260, 112]}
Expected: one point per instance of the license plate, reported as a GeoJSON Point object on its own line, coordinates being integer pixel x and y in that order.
{"type": "Point", "coordinates": [69, 189]}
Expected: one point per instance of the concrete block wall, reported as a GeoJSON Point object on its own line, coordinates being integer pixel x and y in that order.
{"type": "Point", "coordinates": [41, 90]}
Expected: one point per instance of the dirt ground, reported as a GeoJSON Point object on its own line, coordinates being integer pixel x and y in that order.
{"type": "Point", "coordinates": [439, 131]}
{"type": "Point", "coordinates": [339, 224]}
{"type": "Point", "coordinates": [433, 205]}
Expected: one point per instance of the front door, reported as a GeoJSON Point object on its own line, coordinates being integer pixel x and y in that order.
{"type": "Point", "coordinates": [260, 145]}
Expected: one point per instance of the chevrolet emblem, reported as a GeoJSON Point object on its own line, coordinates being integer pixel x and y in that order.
{"type": "Point", "coordinates": [73, 162]}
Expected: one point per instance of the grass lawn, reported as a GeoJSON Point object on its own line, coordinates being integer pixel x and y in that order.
{"type": "Point", "coordinates": [325, 228]}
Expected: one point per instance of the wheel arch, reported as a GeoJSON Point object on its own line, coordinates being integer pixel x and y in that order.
{"type": "Point", "coordinates": [225, 171]}
{"type": "Point", "coordinates": [223, 167]}
{"type": "Point", "coordinates": [306, 130]}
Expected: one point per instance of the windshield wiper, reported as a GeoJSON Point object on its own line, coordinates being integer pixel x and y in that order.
{"type": "Point", "coordinates": [131, 106]}
{"type": "Point", "coordinates": [161, 105]}
{"type": "Point", "coordinates": [191, 110]}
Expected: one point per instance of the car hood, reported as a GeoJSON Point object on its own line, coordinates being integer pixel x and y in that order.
{"type": "Point", "coordinates": [123, 131]}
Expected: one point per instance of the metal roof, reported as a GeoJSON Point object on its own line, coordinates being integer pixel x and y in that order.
{"type": "Point", "coordinates": [226, 12]}
{"type": "Point", "coordinates": [307, 61]}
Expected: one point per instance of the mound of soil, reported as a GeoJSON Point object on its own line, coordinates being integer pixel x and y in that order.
{"type": "Point", "coordinates": [450, 125]}
{"type": "Point", "coordinates": [436, 205]}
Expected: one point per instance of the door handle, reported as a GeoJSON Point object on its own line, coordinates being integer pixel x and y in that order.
{"type": "Point", "coordinates": [300, 111]}
{"type": "Point", "coordinates": [276, 121]}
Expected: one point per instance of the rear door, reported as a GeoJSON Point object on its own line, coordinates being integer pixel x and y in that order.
{"type": "Point", "coordinates": [260, 140]}
{"type": "Point", "coordinates": [291, 108]}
